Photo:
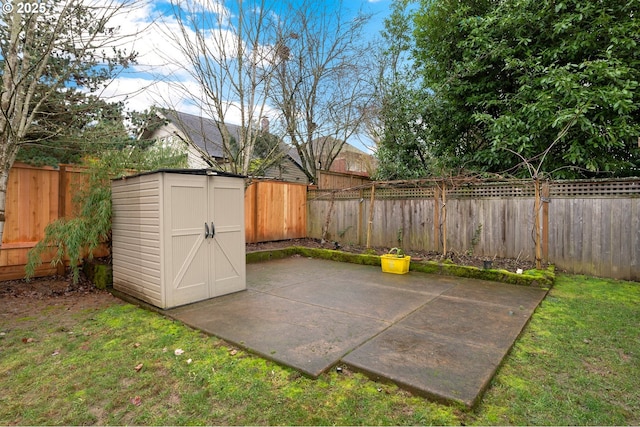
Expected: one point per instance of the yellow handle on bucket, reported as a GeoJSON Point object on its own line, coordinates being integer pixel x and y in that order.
{"type": "Point", "coordinates": [399, 252]}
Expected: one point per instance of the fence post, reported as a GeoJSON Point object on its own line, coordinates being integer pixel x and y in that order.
{"type": "Point", "coordinates": [436, 218]}
{"type": "Point", "coordinates": [536, 222]}
{"type": "Point", "coordinates": [370, 224]}
{"type": "Point", "coordinates": [360, 213]}
{"type": "Point", "coordinates": [545, 221]}
{"type": "Point", "coordinates": [444, 218]}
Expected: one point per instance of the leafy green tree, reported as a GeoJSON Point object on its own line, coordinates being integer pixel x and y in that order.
{"type": "Point", "coordinates": [518, 79]}
{"type": "Point", "coordinates": [72, 126]}
{"type": "Point", "coordinates": [268, 151]}
{"type": "Point", "coordinates": [402, 150]}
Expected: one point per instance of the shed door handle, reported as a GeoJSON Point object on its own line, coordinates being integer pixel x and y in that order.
{"type": "Point", "coordinates": [206, 230]}
{"type": "Point", "coordinates": [213, 229]}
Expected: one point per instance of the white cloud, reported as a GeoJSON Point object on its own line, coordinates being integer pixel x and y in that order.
{"type": "Point", "coordinates": [161, 75]}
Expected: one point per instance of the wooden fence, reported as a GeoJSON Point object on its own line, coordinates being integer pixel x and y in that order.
{"type": "Point", "coordinates": [35, 198]}
{"type": "Point", "coordinates": [275, 210]}
{"type": "Point", "coordinates": [38, 196]}
{"type": "Point", "coordinates": [333, 180]}
{"type": "Point", "coordinates": [594, 228]}
{"type": "Point", "coordinates": [586, 227]}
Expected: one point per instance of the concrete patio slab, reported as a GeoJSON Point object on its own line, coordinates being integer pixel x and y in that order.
{"type": "Point", "coordinates": [442, 337]}
{"type": "Point", "coordinates": [436, 366]}
{"type": "Point", "coordinates": [306, 337]}
{"type": "Point", "coordinates": [450, 348]}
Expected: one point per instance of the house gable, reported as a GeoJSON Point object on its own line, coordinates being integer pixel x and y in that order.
{"type": "Point", "coordinates": [203, 142]}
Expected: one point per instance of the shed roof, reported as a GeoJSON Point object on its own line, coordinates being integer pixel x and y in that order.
{"type": "Point", "coordinates": [210, 172]}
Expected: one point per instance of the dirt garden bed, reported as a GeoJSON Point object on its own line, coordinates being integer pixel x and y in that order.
{"type": "Point", "coordinates": [462, 259]}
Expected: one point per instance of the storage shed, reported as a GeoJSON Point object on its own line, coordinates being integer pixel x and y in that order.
{"type": "Point", "coordinates": [178, 235]}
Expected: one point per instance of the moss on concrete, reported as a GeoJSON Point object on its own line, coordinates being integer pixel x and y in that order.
{"type": "Point", "coordinates": [536, 278]}
{"type": "Point", "coordinates": [269, 255]}
{"type": "Point", "coordinates": [340, 256]}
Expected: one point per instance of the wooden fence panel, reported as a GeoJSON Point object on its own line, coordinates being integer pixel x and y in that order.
{"type": "Point", "coordinates": [596, 236]}
{"type": "Point", "coordinates": [73, 179]}
{"type": "Point", "coordinates": [634, 235]}
{"type": "Point", "coordinates": [412, 223]}
{"type": "Point", "coordinates": [588, 227]}
{"type": "Point", "coordinates": [275, 210]}
{"type": "Point", "coordinates": [407, 223]}
{"type": "Point", "coordinates": [39, 196]}
{"type": "Point", "coordinates": [403, 223]}
{"type": "Point", "coordinates": [335, 180]}
{"type": "Point", "coordinates": [417, 225]}
{"type": "Point", "coordinates": [36, 196]}
{"type": "Point", "coordinates": [31, 204]}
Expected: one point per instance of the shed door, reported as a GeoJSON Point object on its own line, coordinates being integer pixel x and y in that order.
{"type": "Point", "coordinates": [226, 208]}
{"type": "Point", "coordinates": [187, 260]}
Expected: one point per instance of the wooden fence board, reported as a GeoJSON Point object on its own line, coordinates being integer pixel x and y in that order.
{"type": "Point", "coordinates": [586, 254]}
{"type": "Point", "coordinates": [514, 227]}
{"type": "Point", "coordinates": [596, 240]}
{"type": "Point", "coordinates": [618, 240]}
{"type": "Point", "coordinates": [275, 210]}
{"type": "Point", "coordinates": [491, 217]}
{"type": "Point", "coordinates": [571, 233]}
{"type": "Point", "coordinates": [605, 258]}
{"type": "Point", "coordinates": [625, 241]}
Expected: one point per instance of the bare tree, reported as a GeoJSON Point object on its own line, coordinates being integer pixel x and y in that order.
{"type": "Point", "coordinates": [46, 49]}
{"type": "Point", "coordinates": [322, 91]}
{"type": "Point", "coordinates": [228, 58]}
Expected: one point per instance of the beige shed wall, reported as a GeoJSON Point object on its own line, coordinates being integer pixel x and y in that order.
{"type": "Point", "coordinates": [136, 236]}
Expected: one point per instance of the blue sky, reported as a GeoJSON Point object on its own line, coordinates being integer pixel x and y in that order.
{"type": "Point", "coordinates": [148, 82]}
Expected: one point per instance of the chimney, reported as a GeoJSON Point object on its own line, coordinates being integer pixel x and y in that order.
{"type": "Point", "coordinates": [264, 124]}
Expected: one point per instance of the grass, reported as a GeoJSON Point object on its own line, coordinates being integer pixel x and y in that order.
{"type": "Point", "coordinates": [576, 363]}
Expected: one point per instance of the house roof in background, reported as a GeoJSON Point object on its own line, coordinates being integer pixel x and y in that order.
{"type": "Point", "coordinates": [293, 153]}
{"type": "Point", "coordinates": [202, 131]}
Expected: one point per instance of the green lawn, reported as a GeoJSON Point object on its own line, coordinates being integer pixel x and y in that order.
{"type": "Point", "coordinates": [576, 363]}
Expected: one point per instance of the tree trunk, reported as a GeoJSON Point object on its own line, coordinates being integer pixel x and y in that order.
{"type": "Point", "coordinates": [7, 158]}
{"type": "Point", "coordinates": [4, 179]}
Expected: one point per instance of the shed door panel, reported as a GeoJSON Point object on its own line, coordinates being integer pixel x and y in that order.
{"type": "Point", "coordinates": [226, 204]}
{"type": "Point", "coordinates": [187, 258]}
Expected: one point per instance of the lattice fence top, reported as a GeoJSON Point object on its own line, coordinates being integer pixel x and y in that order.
{"type": "Point", "coordinates": [608, 188]}
{"type": "Point", "coordinates": [522, 188]}
{"type": "Point", "coordinates": [477, 191]}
